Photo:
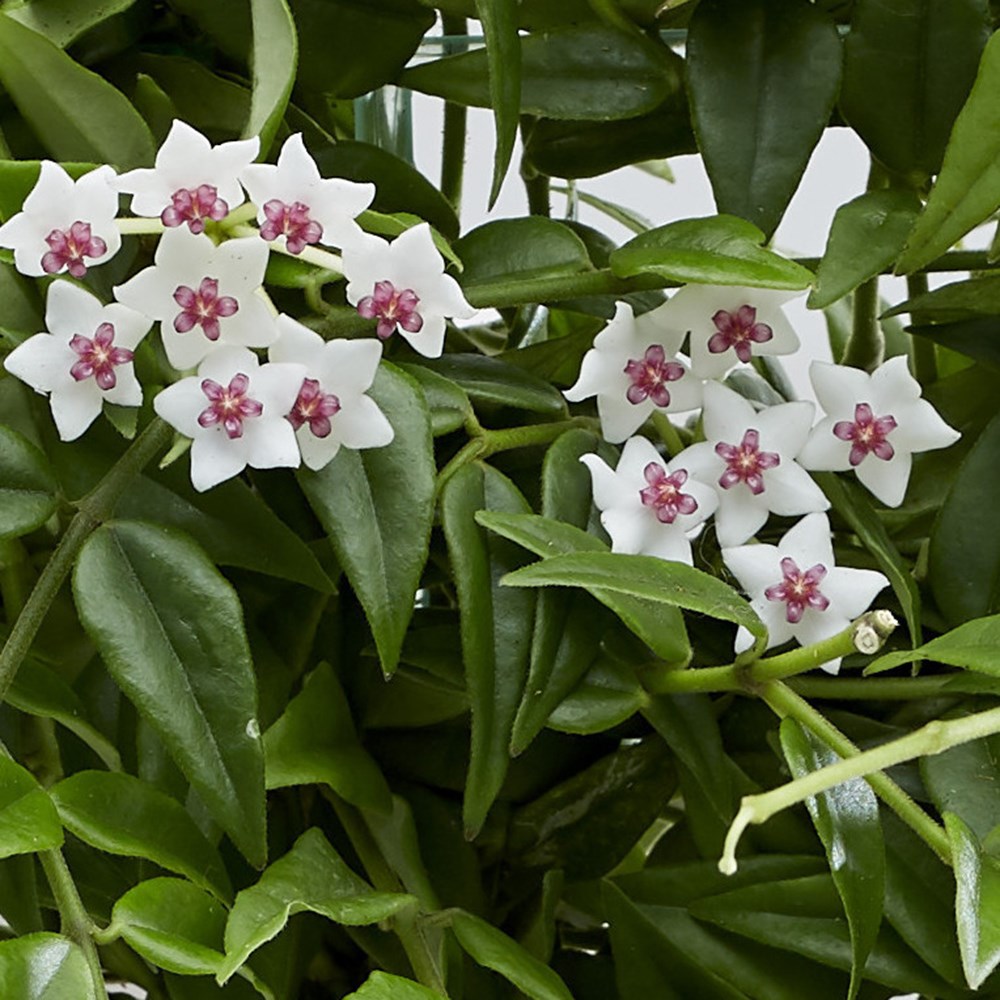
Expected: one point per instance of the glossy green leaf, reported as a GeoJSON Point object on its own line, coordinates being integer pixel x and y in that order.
{"type": "Point", "coordinates": [274, 62]}
{"type": "Point", "coordinates": [589, 72]}
{"type": "Point", "coordinates": [77, 114]}
{"type": "Point", "coordinates": [310, 877]}
{"type": "Point", "coordinates": [123, 815]}
{"type": "Point", "coordinates": [315, 742]}
{"type": "Point", "coordinates": [22, 303]}
{"type": "Point", "coordinates": [497, 383]}
{"type": "Point", "coordinates": [448, 404]}
{"type": "Point", "coordinates": [44, 967]}
{"type": "Point", "coordinates": [919, 57]}
{"type": "Point", "coordinates": [28, 488]}
{"type": "Point", "coordinates": [63, 21]}
{"type": "Point", "coordinates": [182, 660]}
{"type": "Point", "coordinates": [717, 250]}
{"type": "Point", "coordinates": [377, 506]}
{"type": "Point", "coordinates": [866, 237]}
{"type": "Point", "coordinates": [28, 819]}
{"type": "Point", "coordinates": [642, 576]}
{"type": "Point", "coordinates": [382, 986]}
{"type": "Point", "coordinates": [960, 300]}
{"type": "Point", "coordinates": [659, 625]}
{"type": "Point", "coordinates": [965, 565]}
{"type": "Point", "coordinates": [974, 645]}
{"type": "Point", "coordinates": [962, 780]}
{"type": "Point", "coordinates": [496, 626]}
{"type": "Point", "coordinates": [967, 190]}
{"type": "Point", "coordinates": [846, 819]}
{"type": "Point", "coordinates": [493, 949]}
{"type": "Point", "coordinates": [763, 77]}
{"type": "Point", "coordinates": [608, 694]}
{"type": "Point", "coordinates": [977, 902]}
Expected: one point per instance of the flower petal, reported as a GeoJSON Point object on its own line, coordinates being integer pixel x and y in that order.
{"type": "Point", "coordinates": [886, 479]}
{"type": "Point", "coordinates": [75, 407]}
{"type": "Point", "coordinates": [362, 425]}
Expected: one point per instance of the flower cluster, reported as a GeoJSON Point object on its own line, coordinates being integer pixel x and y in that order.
{"type": "Point", "coordinates": [205, 290]}
{"type": "Point", "coordinates": [752, 462]}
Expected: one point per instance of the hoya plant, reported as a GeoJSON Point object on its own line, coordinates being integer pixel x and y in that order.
{"type": "Point", "coordinates": [398, 607]}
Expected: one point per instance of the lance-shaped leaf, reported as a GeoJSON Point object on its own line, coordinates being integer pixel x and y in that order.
{"type": "Point", "coordinates": [383, 986]}
{"type": "Point", "coordinates": [28, 819]}
{"type": "Point", "coordinates": [846, 819]}
{"type": "Point", "coordinates": [717, 250]}
{"type": "Point", "coordinates": [170, 629]}
{"type": "Point", "coordinates": [962, 780]}
{"type": "Point", "coordinates": [495, 624]}
{"type": "Point", "coordinates": [310, 877]}
{"type": "Point", "coordinates": [377, 506]}
{"type": "Point", "coordinates": [763, 77]}
{"type": "Point", "coordinates": [274, 61]}
{"type": "Point", "coordinates": [123, 815]}
{"type": "Point", "coordinates": [44, 967]}
{"type": "Point", "coordinates": [28, 485]}
{"type": "Point", "coordinates": [974, 645]}
{"type": "Point", "coordinates": [63, 22]}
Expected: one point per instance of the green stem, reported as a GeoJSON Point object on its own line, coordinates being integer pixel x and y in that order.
{"type": "Point", "coordinates": [923, 357]}
{"type": "Point", "coordinates": [76, 922]}
{"type": "Point", "coordinates": [873, 688]}
{"type": "Point", "coordinates": [94, 508]}
{"type": "Point", "coordinates": [668, 433]}
{"type": "Point", "coordinates": [455, 119]}
{"type": "Point", "coordinates": [866, 345]}
{"type": "Point", "coordinates": [538, 195]}
{"type": "Point", "coordinates": [140, 227]}
{"type": "Point", "coordinates": [311, 255]}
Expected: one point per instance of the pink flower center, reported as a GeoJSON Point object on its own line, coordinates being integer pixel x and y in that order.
{"type": "Point", "coordinates": [314, 407]}
{"type": "Point", "coordinates": [663, 494]}
{"type": "Point", "coordinates": [745, 462]}
{"type": "Point", "coordinates": [738, 330]}
{"type": "Point", "coordinates": [194, 206]}
{"type": "Point", "coordinates": [69, 247]}
{"type": "Point", "coordinates": [98, 357]}
{"type": "Point", "coordinates": [649, 376]}
{"type": "Point", "coordinates": [799, 590]}
{"type": "Point", "coordinates": [292, 222]}
{"type": "Point", "coordinates": [866, 434]}
{"type": "Point", "coordinates": [392, 307]}
{"type": "Point", "coordinates": [203, 308]}
{"type": "Point", "coordinates": [229, 405]}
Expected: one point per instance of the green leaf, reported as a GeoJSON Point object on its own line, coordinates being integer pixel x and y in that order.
{"type": "Point", "coordinates": [17, 178]}
{"type": "Point", "coordinates": [867, 235]}
{"type": "Point", "coordinates": [496, 626]}
{"type": "Point", "coordinates": [717, 250]}
{"type": "Point", "coordinates": [763, 77]}
{"type": "Point", "coordinates": [642, 576]}
{"type": "Point", "coordinates": [974, 646]}
{"type": "Point", "coordinates": [977, 902]}
{"type": "Point", "coordinates": [382, 986]}
{"type": "Point", "coordinates": [589, 72]}
{"type": "Point", "coordinates": [908, 68]}
{"type": "Point", "coordinates": [28, 487]}
{"type": "Point", "coordinates": [846, 819]}
{"type": "Point", "coordinates": [967, 190]}
{"type": "Point", "coordinates": [315, 742]}
{"type": "Point", "coordinates": [274, 62]}
{"type": "Point", "coordinates": [492, 949]}
{"type": "Point", "coordinates": [28, 819]}
{"type": "Point", "coordinates": [123, 815]}
{"type": "Point", "coordinates": [962, 780]}
{"type": "Point", "coordinates": [961, 300]}
{"type": "Point", "coordinates": [77, 114]}
{"type": "Point", "coordinates": [608, 694]}
{"type": "Point", "coordinates": [182, 660]}
{"type": "Point", "coordinates": [377, 506]}
{"type": "Point", "coordinates": [44, 967]}
{"type": "Point", "coordinates": [63, 21]}
{"type": "Point", "coordinates": [503, 55]}
{"type": "Point", "coordinates": [492, 382]}
{"type": "Point", "coordinates": [448, 404]}
{"type": "Point", "coordinates": [313, 878]}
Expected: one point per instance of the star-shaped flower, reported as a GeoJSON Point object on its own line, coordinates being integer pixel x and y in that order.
{"type": "Point", "coordinates": [873, 424]}
{"type": "Point", "coordinates": [797, 589]}
{"type": "Point", "coordinates": [749, 457]}
{"type": "Point", "coordinates": [298, 207]}
{"type": "Point", "coordinates": [203, 295]}
{"type": "Point", "coordinates": [83, 359]}
{"type": "Point", "coordinates": [234, 409]}
{"type": "Point", "coordinates": [331, 408]}
{"type": "Point", "coordinates": [402, 284]}
{"type": "Point", "coordinates": [649, 506]}
{"type": "Point", "coordinates": [728, 325]}
{"type": "Point", "coordinates": [633, 370]}
{"type": "Point", "coordinates": [193, 181]}
{"type": "Point", "coordinates": [65, 225]}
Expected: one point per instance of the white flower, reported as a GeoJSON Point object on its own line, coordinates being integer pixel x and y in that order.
{"type": "Point", "coordinates": [633, 370]}
{"type": "Point", "coordinates": [234, 409]}
{"type": "Point", "coordinates": [65, 225]}
{"type": "Point", "coordinates": [84, 359]}
{"type": "Point", "coordinates": [403, 285]}
{"type": "Point", "coordinates": [649, 506]}
{"type": "Point", "coordinates": [749, 457]}
{"type": "Point", "coordinates": [296, 206]}
{"type": "Point", "coordinates": [192, 180]}
{"type": "Point", "coordinates": [873, 424]}
{"type": "Point", "coordinates": [728, 325]}
{"type": "Point", "coordinates": [203, 295]}
{"type": "Point", "coordinates": [796, 588]}
{"type": "Point", "coordinates": [331, 408]}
